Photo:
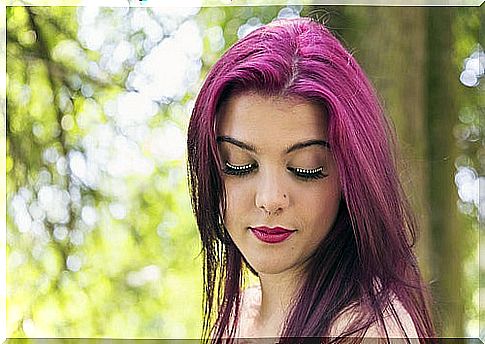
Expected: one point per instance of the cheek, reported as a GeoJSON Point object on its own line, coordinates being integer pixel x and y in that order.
{"type": "Point", "coordinates": [322, 205]}
{"type": "Point", "coordinates": [238, 202]}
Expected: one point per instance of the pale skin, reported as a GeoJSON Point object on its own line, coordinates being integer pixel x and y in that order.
{"type": "Point", "coordinates": [289, 180]}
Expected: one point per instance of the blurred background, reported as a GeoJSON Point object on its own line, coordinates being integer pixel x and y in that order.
{"type": "Point", "coordinates": [101, 240]}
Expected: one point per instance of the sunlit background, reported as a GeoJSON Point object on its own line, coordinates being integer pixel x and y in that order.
{"type": "Point", "coordinates": [101, 240]}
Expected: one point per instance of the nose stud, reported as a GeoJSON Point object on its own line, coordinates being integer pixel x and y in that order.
{"type": "Point", "coordinates": [271, 212]}
{"type": "Point", "coordinates": [277, 208]}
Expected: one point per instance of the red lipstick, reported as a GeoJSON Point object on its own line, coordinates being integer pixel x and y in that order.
{"type": "Point", "coordinates": [271, 235]}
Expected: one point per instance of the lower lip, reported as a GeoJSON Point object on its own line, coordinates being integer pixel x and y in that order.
{"type": "Point", "coordinates": [271, 238]}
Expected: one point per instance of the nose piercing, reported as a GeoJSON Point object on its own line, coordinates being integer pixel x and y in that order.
{"type": "Point", "coordinates": [269, 212]}
{"type": "Point", "coordinates": [272, 212]}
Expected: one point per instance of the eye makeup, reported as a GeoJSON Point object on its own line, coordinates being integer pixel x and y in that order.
{"type": "Point", "coordinates": [315, 173]}
{"type": "Point", "coordinates": [238, 170]}
{"type": "Point", "coordinates": [301, 173]}
{"type": "Point", "coordinates": [239, 162]}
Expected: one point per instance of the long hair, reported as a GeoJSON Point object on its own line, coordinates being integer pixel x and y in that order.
{"type": "Point", "coordinates": [367, 256]}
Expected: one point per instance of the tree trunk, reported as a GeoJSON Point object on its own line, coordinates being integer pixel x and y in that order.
{"type": "Point", "coordinates": [442, 111]}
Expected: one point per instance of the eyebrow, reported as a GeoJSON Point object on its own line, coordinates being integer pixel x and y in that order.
{"type": "Point", "coordinates": [238, 143]}
{"type": "Point", "coordinates": [307, 143]}
{"type": "Point", "coordinates": [251, 148]}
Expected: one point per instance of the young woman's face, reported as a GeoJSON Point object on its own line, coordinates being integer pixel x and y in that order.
{"type": "Point", "coordinates": [280, 177]}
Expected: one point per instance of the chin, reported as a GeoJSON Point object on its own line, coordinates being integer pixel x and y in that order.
{"type": "Point", "coordinates": [270, 266]}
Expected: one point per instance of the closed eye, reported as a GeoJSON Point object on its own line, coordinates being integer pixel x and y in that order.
{"type": "Point", "coordinates": [316, 173]}
{"type": "Point", "coordinates": [238, 170]}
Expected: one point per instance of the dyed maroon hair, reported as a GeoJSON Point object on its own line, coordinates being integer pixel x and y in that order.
{"type": "Point", "coordinates": [372, 238]}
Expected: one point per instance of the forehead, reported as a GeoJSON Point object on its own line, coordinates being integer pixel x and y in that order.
{"type": "Point", "coordinates": [256, 117]}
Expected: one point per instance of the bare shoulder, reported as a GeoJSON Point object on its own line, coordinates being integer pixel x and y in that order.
{"type": "Point", "coordinates": [397, 321]}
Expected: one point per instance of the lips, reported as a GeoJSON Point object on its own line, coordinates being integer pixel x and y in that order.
{"type": "Point", "coordinates": [271, 235]}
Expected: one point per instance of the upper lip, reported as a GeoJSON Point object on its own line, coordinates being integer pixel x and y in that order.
{"type": "Point", "coordinates": [272, 230]}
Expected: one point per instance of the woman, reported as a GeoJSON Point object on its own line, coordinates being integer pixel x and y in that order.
{"type": "Point", "coordinates": [292, 176]}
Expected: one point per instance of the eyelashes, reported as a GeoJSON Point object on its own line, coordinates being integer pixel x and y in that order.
{"type": "Point", "coordinates": [315, 173]}
{"type": "Point", "coordinates": [238, 170]}
{"type": "Point", "coordinates": [301, 173]}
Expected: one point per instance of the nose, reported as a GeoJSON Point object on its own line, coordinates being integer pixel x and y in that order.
{"type": "Point", "coordinates": [271, 195]}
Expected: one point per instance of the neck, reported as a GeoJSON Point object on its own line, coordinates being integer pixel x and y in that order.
{"type": "Point", "coordinates": [277, 295]}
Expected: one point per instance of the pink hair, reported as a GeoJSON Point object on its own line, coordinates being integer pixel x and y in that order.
{"type": "Point", "coordinates": [373, 236]}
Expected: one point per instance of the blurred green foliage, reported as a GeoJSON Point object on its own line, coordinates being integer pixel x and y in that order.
{"type": "Point", "coordinates": [136, 275]}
